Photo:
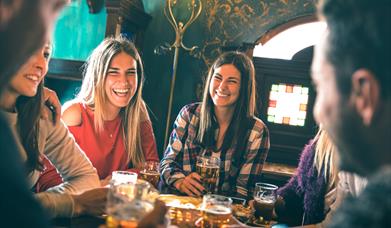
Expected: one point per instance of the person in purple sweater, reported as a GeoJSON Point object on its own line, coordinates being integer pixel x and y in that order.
{"type": "Point", "coordinates": [307, 197]}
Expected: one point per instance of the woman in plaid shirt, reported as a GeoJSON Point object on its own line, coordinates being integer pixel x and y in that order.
{"type": "Point", "coordinates": [223, 125]}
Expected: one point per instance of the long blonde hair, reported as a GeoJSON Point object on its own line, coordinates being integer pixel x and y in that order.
{"type": "Point", "coordinates": [93, 94]}
{"type": "Point", "coordinates": [326, 159]}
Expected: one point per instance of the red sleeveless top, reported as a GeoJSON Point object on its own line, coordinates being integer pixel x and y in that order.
{"type": "Point", "coordinates": [106, 149]}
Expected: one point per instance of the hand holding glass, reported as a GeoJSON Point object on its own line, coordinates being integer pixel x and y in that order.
{"type": "Point", "coordinates": [208, 168]}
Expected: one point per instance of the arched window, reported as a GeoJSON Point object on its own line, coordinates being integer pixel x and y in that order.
{"type": "Point", "coordinates": [282, 60]}
{"type": "Point", "coordinates": [288, 42]}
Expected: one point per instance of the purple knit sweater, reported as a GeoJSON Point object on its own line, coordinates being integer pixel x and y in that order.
{"type": "Point", "coordinates": [304, 193]}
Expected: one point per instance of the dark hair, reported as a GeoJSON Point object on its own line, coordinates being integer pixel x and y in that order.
{"type": "Point", "coordinates": [359, 37]}
{"type": "Point", "coordinates": [245, 106]}
{"type": "Point", "coordinates": [29, 111]}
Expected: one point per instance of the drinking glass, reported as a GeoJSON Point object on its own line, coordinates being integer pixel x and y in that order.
{"type": "Point", "coordinates": [238, 201]}
{"type": "Point", "coordinates": [127, 203]}
{"type": "Point", "coordinates": [265, 196]}
{"type": "Point", "coordinates": [123, 177]}
{"type": "Point", "coordinates": [150, 173]}
{"type": "Point", "coordinates": [208, 168]}
{"type": "Point", "coordinates": [216, 210]}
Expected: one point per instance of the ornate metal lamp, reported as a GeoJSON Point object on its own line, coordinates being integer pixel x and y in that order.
{"type": "Point", "coordinates": [179, 28]}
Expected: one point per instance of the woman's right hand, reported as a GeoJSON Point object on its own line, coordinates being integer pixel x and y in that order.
{"type": "Point", "coordinates": [190, 185]}
{"type": "Point", "coordinates": [91, 202]}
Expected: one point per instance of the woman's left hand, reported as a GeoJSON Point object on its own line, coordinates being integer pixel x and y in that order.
{"type": "Point", "coordinates": [53, 104]}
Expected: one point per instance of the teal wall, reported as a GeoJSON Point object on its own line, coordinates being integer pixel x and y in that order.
{"type": "Point", "coordinates": [78, 32]}
{"type": "Point", "coordinates": [222, 22]}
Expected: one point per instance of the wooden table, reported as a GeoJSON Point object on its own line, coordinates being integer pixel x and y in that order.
{"type": "Point", "coordinates": [78, 222]}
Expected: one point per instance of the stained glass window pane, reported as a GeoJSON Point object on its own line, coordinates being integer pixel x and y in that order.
{"type": "Point", "coordinates": [287, 104]}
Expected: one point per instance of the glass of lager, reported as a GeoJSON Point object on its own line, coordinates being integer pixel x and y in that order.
{"type": "Point", "coordinates": [150, 173]}
{"type": "Point", "coordinates": [216, 211]}
{"type": "Point", "coordinates": [123, 177]}
{"type": "Point", "coordinates": [265, 196]}
{"type": "Point", "coordinates": [127, 203]}
{"type": "Point", "coordinates": [208, 168]}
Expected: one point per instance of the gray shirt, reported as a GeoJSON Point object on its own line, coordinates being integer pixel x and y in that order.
{"type": "Point", "coordinates": [70, 161]}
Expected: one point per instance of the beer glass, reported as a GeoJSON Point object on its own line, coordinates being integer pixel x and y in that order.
{"type": "Point", "coordinates": [216, 211]}
{"type": "Point", "coordinates": [127, 203]}
{"type": "Point", "coordinates": [123, 177]}
{"type": "Point", "coordinates": [150, 173]}
{"type": "Point", "coordinates": [238, 201]}
{"type": "Point", "coordinates": [208, 168]}
{"type": "Point", "coordinates": [265, 196]}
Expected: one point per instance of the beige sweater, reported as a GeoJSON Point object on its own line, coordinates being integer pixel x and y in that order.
{"type": "Point", "coordinates": [72, 164]}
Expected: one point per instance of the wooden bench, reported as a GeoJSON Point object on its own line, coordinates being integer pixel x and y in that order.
{"type": "Point", "coordinates": [276, 173]}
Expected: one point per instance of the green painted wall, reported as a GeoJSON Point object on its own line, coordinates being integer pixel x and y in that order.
{"type": "Point", "coordinates": [222, 22]}
{"type": "Point", "coordinates": [78, 32]}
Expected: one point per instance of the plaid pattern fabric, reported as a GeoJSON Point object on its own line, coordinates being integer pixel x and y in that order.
{"type": "Point", "coordinates": [181, 155]}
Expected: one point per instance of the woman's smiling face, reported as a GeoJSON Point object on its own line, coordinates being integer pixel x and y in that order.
{"type": "Point", "coordinates": [224, 88]}
{"type": "Point", "coordinates": [32, 73]}
{"type": "Point", "coordinates": [121, 81]}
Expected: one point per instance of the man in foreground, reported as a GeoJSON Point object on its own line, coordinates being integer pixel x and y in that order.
{"type": "Point", "coordinates": [352, 77]}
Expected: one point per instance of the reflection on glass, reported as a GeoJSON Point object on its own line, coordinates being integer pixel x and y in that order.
{"type": "Point", "coordinates": [264, 199]}
{"type": "Point", "coordinates": [127, 204]}
{"type": "Point", "coordinates": [150, 173]}
{"type": "Point", "coordinates": [208, 168]}
{"type": "Point", "coordinates": [216, 210]}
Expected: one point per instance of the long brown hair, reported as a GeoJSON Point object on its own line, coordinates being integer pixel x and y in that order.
{"type": "Point", "coordinates": [93, 94]}
{"type": "Point", "coordinates": [245, 107]}
{"type": "Point", "coordinates": [29, 111]}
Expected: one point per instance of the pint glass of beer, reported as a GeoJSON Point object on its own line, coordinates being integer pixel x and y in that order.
{"type": "Point", "coordinates": [265, 196]}
{"type": "Point", "coordinates": [216, 211]}
{"type": "Point", "coordinates": [150, 173]}
{"type": "Point", "coordinates": [127, 204]}
{"type": "Point", "coordinates": [123, 177]}
{"type": "Point", "coordinates": [208, 168]}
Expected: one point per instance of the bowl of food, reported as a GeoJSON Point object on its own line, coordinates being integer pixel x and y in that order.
{"type": "Point", "coordinates": [241, 212]}
{"type": "Point", "coordinates": [184, 210]}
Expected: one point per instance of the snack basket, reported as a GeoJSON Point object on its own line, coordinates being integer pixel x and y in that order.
{"type": "Point", "coordinates": [184, 210]}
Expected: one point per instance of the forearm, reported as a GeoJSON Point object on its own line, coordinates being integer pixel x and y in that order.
{"type": "Point", "coordinates": [71, 163]}
{"type": "Point", "coordinates": [171, 173]}
{"type": "Point", "coordinates": [56, 204]}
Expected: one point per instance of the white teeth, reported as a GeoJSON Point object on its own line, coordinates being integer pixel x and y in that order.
{"type": "Point", "coordinates": [221, 94]}
{"type": "Point", "coordinates": [33, 77]}
{"type": "Point", "coordinates": [120, 90]}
